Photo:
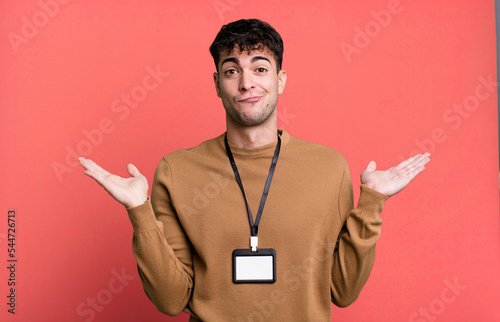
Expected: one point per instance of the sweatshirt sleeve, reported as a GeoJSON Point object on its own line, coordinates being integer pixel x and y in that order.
{"type": "Point", "coordinates": [354, 253]}
{"type": "Point", "coordinates": [161, 248]}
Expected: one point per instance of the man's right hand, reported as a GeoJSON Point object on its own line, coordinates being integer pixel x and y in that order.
{"type": "Point", "coordinates": [130, 192]}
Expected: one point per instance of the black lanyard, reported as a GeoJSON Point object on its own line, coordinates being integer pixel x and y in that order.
{"type": "Point", "coordinates": [254, 227]}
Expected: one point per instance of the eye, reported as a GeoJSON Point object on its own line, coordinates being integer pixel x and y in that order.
{"type": "Point", "coordinates": [261, 70]}
{"type": "Point", "coordinates": [231, 71]}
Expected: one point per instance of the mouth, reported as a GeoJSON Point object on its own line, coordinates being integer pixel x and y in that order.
{"type": "Point", "coordinates": [250, 99]}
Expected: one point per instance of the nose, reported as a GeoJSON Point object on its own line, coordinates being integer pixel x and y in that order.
{"type": "Point", "coordinates": [246, 81]}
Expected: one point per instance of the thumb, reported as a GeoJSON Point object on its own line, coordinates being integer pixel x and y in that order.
{"type": "Point", "coordinates": [132, 170]}
{"type": "Point", "coordinates": [371, 166]}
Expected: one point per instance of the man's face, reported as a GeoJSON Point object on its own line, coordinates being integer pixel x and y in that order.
{"type": "Point", "coordinates": [249, 84]}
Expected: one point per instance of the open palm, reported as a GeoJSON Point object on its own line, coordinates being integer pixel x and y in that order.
{"type": "Point", "coordinates": [395, 179]}
{"type": "Point", "coordinates": [130, 192]}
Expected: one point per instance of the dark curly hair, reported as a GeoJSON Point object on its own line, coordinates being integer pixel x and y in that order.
{"type": "Point", "coordinates": [248, 34]}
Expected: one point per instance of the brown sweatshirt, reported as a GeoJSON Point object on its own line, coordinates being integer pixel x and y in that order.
{"type": "Point", "coordinates": [184, 237]}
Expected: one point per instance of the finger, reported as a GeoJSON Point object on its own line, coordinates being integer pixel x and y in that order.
{"type": "Point", "coordinates": [93, 170]}
{"type": "Point", "coordinates": [417, 165]}
{"type": "Point", "coordinates": [133, 171]}
{"type": "Point", "coordinates": [97, 176]}
{"type": "Point", "coordinates": [371, 166]}
{"type": "Point", "coordinates": [91, 165]}
{"type": "Point", "coordinates": [406, 162]}
{"type": "Point", "coordinates": [422, 160]}
{"type": "Point", "coordinates": [414, 172]}
{"type": "Point", "coordinates": [84, 163]}
{"type": "Point", "coordinates": [413, 161]}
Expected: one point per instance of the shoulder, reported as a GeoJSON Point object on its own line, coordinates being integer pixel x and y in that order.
{"type": "Point", "coordinates": [193, 162]}
{"type": "Point", "coordinates": [315, 152]}
{"type": "Point", "coordinates": [205, 148]}
{"type": "Point", "coordinates": [208, 149]}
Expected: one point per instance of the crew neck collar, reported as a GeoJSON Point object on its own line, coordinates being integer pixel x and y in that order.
{"type": "Point", "coordinates": [258, 151]}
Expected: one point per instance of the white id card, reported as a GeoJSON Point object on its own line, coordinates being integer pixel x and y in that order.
{"type": "Point", "coordinates": [254, 267]}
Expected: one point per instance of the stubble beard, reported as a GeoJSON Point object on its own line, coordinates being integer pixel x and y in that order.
{"type": "Point", "coordinates": [239, 117]}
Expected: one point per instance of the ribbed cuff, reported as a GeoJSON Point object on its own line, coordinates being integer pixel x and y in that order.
{"type": "Point", "coordinates": [371, 200]}
{"type": "Point", "coordinates": [142, 217]}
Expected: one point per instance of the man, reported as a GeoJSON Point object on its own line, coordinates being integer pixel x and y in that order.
{"type": "Point", "coordinates": [206, 202]}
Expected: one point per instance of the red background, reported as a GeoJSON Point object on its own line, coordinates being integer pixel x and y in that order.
{"type": "Point", "coordinates": [63, 66]}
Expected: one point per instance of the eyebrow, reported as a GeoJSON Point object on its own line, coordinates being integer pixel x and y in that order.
{"type": "Point", "coordinates": [237, 61]}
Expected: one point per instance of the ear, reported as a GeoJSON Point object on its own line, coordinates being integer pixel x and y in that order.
{"type": "Point", "coordinates": [281, 81]}
{"type": "Point", "coordinates": [216, 82]}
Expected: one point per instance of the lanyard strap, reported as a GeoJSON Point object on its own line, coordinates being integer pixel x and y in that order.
{"type": "Point", "coordinates": [254, 227]}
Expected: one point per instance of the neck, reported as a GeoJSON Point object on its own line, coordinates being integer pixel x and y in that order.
{"type": "Point", "coordinates": [251, 136]}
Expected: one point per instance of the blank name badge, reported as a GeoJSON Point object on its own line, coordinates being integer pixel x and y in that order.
{"type": "Point", "coordinates": [254, 267]}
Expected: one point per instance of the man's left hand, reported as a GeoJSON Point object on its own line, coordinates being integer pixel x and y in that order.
{"type": "Point", "coordinates": [395, 179]}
